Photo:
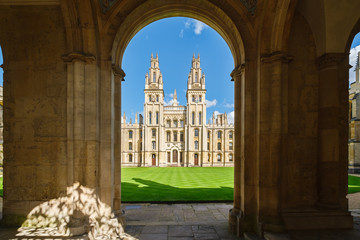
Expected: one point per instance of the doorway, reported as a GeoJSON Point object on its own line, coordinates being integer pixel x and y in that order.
{"type": "Point", "coordinates": [153, 160]}
{"type": "Point", "coordinates": [196, 159]}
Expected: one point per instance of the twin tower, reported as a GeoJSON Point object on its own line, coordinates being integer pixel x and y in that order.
{"type": "Point", "coordinates": [175, 135]}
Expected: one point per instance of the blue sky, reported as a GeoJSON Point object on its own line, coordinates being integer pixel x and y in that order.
{"type": "Point", "coordinates": [176, 40]}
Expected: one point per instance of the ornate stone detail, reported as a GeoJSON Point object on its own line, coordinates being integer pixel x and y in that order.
{"type": "Point", "coordinates": [276, 56]}
{"type": "Point", "coordinates": [250, 5]}
{"type": "Point", "coordinates": [329, 60]}
{"type": "Point", "coordinates": [106, 4]}
{"type": "Point", "coordinates": [237, 71]}
{"type": "Point", "coordinates": [78, 56]}
{"type": "Point", "coordinates": [118, 72]}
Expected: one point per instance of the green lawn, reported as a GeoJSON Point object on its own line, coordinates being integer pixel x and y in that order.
{"type": "Point", "coordinates": [177, 184]}
{"type": "Point", "coordinates": [353, 184]}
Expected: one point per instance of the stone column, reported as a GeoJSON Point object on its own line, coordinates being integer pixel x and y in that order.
{"type": "Point", "coordinates": [333, 131]}
{"type": "Point", "coordinates": [118, 76]}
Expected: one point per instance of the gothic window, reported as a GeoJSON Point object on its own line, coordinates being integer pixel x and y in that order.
{"type": "Point", "coordinates": [157, 117]}
{"type": "Point", "coordinates": [168, 157]}
{"type": "Point", "coordinates": [181, 136]}
{"type": "Point", "coordinates": [200, 98]}
{"type": "Point", "coordinates": [140, 133]}
{"type": "Point", "coordinates": [153, 143]}
{"type": "Point", "coordinates": [199, 118]}
{"type": "Point", "coordinates": [196, 132]}
{"type": "Point", "coordinates": [230, 158]}
{"type": "Point", "coordinates": [168, 136]}
{"type": "Point", "coordinates": [208, 146]}
{"type": "Point", "coordinates": [230, 134]}
{"type": "Point", "coordinates": [175, 123]}
{"type": "Point", "coordinates": [196, 145]}
{"type": "Point", "coordinates": [153, 132]}
{"type": "Point", "coordinates": [230, 146]}
{"type": "Point", "coordinates": [193, 118]}
{"type": "Point", "coordinates": [154, 77]}
{"type": "Point", "coordinates": [196, 77]}
{"type": "Point", "coordinates": [130, 157]}
{"type": "Point", "coordinates": [181, 123]}
{"type": "Point", "coordinates": [209, 134]}
{"type": "Point", "coordinates": [130, 134]}
{"type": "Point", "coordinates": [219, 145]}
{"type": "Point", "coordinates": [175, 136]}
{"type": "Point", "coordinates": [193, 98]}
{"type": "Point", "coordinates": [219, 134]}
{"type": "Point", "coordinates": [150, 117]}
{"type": "Point", "coordinates": [140, 146]}
{"type": "Point", "coordinates": [168, 123]}
{"type": "Point", "coordinates": [130, 145]}
{"type": "Point", "coordinates": [149, 98]}
{"type": "Point", "coordinates": [157, 98]}
{"type": "Point", "coordinates": [219, 157]}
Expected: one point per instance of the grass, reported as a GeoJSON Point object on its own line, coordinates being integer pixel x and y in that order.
{"type": "Point", "coordinates": [353, 184]}
{"type": "Point", "coordinates": [177, 184]}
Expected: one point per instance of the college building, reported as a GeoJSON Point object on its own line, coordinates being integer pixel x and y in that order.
{"type": "Point", "coordinates": [176, 135]}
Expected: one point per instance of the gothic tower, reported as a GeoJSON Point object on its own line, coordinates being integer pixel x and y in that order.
{"type": "Point", "coordinates": [196, 114]}
{"type": "Point", "coordinates": [153, 111]}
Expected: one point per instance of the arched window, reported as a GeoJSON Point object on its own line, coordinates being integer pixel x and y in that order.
{"type": "Point", "coordinates": [196, 77]}
{"type": "Point", "coordinates": [219, 145]}
{"type": "Point", "coordinates": [130, 145]}
{"type": "Point", "coordinates": [130, 157]}
{"type": "Point", "coordinates": [154, 77]}
{"type": "Point", "coordinates": [230, 158]}
{"type": "Point", "coordinates": [181, 136]}
{"type": "Point", "coordinates": [196, 132]}
{"type": "Point", "coordinates": [175, 123]}
{"type": "Point", "coordinates": [199, 118]}
{"type": "Point", "coordinates": [193, 118]}
{"type": "Point", "coordinates": [157, 117]}
{"type": "Point", "coordinates": [196, 145]}
{"type": "Point", "coordinates": [230, 134]}
{"type": "Point", "coordinates": [153, 132]}
{"type": "Point", "coordinates": [157, 98]}
{"type": "Point", "coordinates": [168, 123]}
{"type": "Point", "coordinates": [149, 98]}
{"type": "Point", "coordinates": [153, 144]}
{"type": "Point", "coordinates": [230, 146]}
{"type": "Point", "coordinates": [168, 136]}
{"type": "Point", "coordinates": [175, 136]}
{"type": "Point", "coordinates": [150, 117]}
{"type": "Point", "coordinates": [219, 134]}
{"type": "Point", "coordinates": [219, 157]}
{"type": "Point", "coordinates": [130, 134]}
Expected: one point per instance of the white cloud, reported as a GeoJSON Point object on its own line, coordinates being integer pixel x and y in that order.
{"type": "Point", "coordinates": [231, 116]}
{"type": "Point", "coordinates": [169, 102]}
{"type": "Point", "coordinates": [188, 23]}
{"type": "Point", "coordinates": [229, 105]}
{"type": "Point", "coordinates": [216, 113]}
{"type": "Point", "coordinates": [170, 95]}
{"type": "Point", "coordinates": [352, 61]}
{"type": "Point", "coordinates": [198, 27]}
{"type": "Point", "coordinates": [210, 103]}
{"type": "Point", "coordinates": [181, 34]}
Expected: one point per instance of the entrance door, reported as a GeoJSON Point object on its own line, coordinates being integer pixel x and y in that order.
{"type": "Point", "coordinates": [196, 160]}
{"type": "Point", "coordinates": [154, 160]}
{"type": "Point", "coordinates": [175, 156]}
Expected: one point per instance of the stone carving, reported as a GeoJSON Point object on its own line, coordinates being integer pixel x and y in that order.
{"type": "Point", "coordinates": [250, 5]}
{"type": "Point", "coordinates": [106, 4]}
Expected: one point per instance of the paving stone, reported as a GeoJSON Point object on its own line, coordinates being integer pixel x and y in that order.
{"type": "Point", "coordinates": [206, 236]}
{"type": "Point", "coordinates": [180, 238]}
{"type": "Point", "coordinates": [155, 229]}
{"type": "Point", "coordinates": [153, 236]}
{"type": "Point", "coordinates": [180, 231]}
{"type": "Point", "coordinates": [134, 231]}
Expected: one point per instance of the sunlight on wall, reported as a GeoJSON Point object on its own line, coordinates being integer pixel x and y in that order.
{"type": "Point", "coordinates": [81, 208]}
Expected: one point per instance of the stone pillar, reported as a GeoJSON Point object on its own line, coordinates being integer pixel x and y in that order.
{"type": "Point", "coordinates": [118, 76]}
{"type": "Point", "coordinates": [333, 131]}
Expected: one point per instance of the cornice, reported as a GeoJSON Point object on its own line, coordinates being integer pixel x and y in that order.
{"type": "Point", "coordinates": [276, 56]}
{"type": "Point", "coordinates": [78, 56]}
{"type": "Point", "coordinates": [330, 60]}
{"type": "Point", "coordinates": [118, 72]}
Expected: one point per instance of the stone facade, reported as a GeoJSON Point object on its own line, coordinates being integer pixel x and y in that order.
{"type": "Point", "coordinates": [354, 121]}
{"type": "Point", "coordinates": [176, 135]}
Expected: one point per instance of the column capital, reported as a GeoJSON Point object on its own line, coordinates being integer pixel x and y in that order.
{"type": "Point", "coordinates": [276, 56]}
{"type": "Point", "coordinates": [4, 67]}
{"type": "Point", "coordinates": [330, 60]}
{"type": "Point", "coordinates": [237, 71]}
{"type": "Point", "coordinates": [118, 72]}
{"type": "Point", "coordinates": [78, 56]}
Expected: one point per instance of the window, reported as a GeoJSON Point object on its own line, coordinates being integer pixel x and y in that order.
{"type": "Point", "coordinates": [157, 117]}
{"type": "Point", "coordinates": [153, 144]}
{"type": "Point", "coordinates": [157, 98]}
{"type": "Point", "coordinates": [209, 134]}
{"type": "Point", "coordinates": [219, 145]}
{"type": "Point", "coordinates": [181, 136]}
{"type": "Point", "coordinates": [230, 158]}
{"type": "Point", "coordinates": [140, 133]}
{"type": "Point", "coordinates": [175, 123]}
{"type": "Point", "coordinates": [168, 123]}
{"type": "Point", "coordinates": [196, 145]}
{"type": "Point", "coordinates": [153, 132]}
{"type": "Point", "coordinates": [196, 77]}
{"type": "Point", "coordinates": [181, 157]}
{"type": "Point", "coordinates": [140, 146]}
{"type": "Point", "coordinates": [168, 136]}
{"type": "Point", "coordinates": [149, 98]}
{"type": "Point", "coordinates": [230, 134]}
{"type": "Point", "coordinates": [230, 146]}
{"type": "Point", "coordinates": [196, 132]}
{"type": "Point", "coordinates": [175, 136]}
{"type": "Point", "coordinates": [193, 98]}
{"type": "Point", "coordinates": [130, 134]}
{"type": "Point", "coordinates": [219, 134]}
{"type": "Point", "coordinates": [168, 157]}
{"type": "Point", "coordinates": [130, 145]}
{"type": "Point", "coordinates": [199, 118]}
{"type": "Point", "coordinates": [130, 158]}
{"type": "Point", "coordinates": [208, 146]}
{"type": "Point", "coordinates": [200, 98]}
{"type": "Point", "coordinates": [193, 118]}
{"type": "Point", "coordinates": [150, 117]}
{"type": "Point", "coordinates": [219, 157]}
{"type": "Point", "coordinates": [181, 123]}
{"type": "Point", "coordinates": [154, 77]}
